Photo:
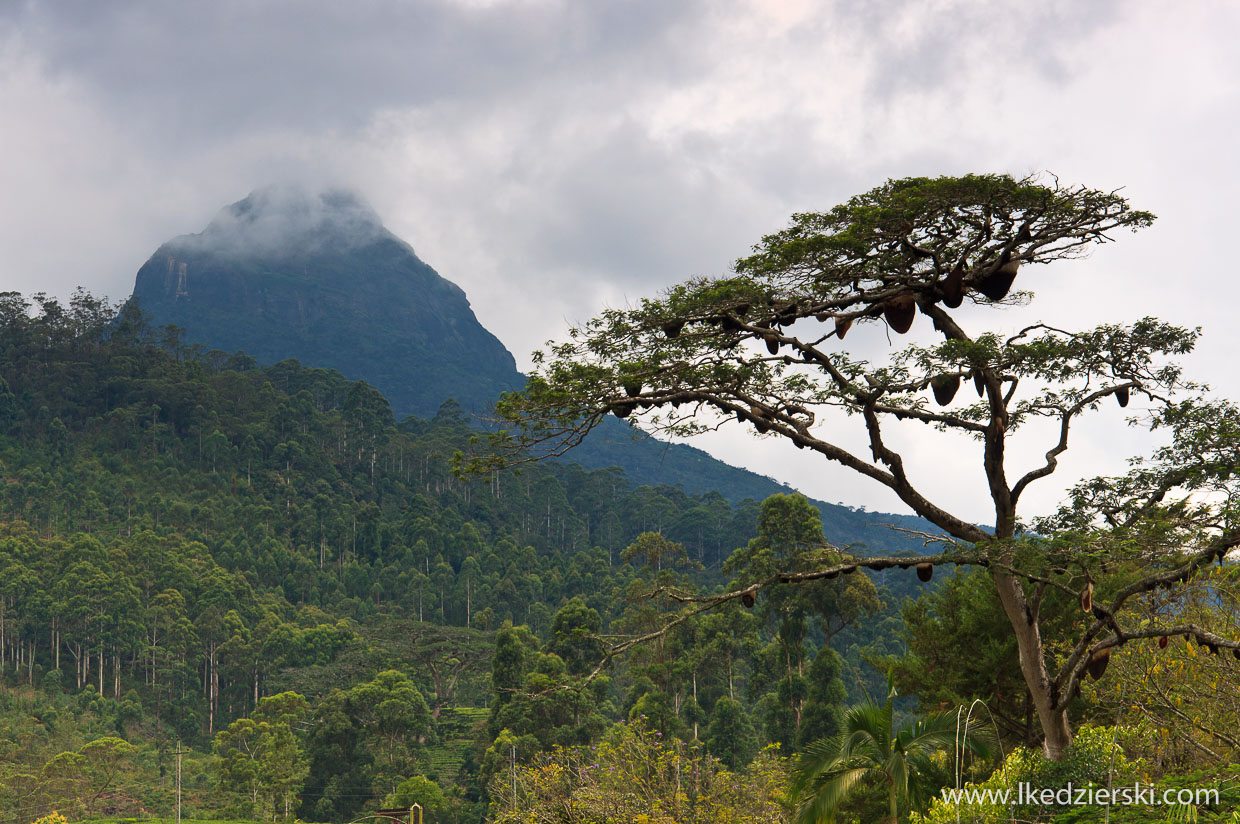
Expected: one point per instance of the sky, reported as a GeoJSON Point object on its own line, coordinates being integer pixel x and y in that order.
{"type": "Point", "coordinates": [557, 158]}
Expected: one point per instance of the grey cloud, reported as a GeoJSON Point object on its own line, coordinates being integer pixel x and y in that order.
{"type": "Point", "coordinates": [186, 68]}
{"type": "Point", "coordinates": [922, 48]}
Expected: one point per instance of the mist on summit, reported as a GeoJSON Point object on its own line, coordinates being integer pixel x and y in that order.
{"type": "Point", "coordinates": [288, 219]}
{"type": "Point", "coordinates": [289, 272]}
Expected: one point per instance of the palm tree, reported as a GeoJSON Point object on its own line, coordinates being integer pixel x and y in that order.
{"type": "Point", "coordinates": [830, 769]}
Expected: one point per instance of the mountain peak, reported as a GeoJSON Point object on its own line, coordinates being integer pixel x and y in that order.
{"type": "Point", "coordinates": [289, 272]}
{"type": "Point", "coordinates": [280, 220]}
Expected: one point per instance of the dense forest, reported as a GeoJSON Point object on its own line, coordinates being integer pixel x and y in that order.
{"type": "Point", "coordinates": [186, 533]}
{"type": "Point", "coordinates": [262, 575]}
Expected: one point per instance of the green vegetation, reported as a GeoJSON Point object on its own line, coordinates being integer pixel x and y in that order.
{"type": "Point", "coordinates": [187, 538]}
{"type": "Point", "coordinates": [869, 749]}
{"type": "Point", "coordinates": [260, 580]}
{"type": "Point", "coordinates": [764, 347]}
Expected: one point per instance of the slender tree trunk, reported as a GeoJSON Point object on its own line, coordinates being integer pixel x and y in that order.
{"type": "Point", "coordinates": [1052, 714]}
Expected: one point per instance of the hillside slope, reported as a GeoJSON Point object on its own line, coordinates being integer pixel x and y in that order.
{"type": "Point", "coordinates": [286, 273]}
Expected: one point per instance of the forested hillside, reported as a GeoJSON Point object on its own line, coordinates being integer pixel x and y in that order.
{"type": "Point", "coordinates": [292, 273]}
{"type": "Point", "coordinates": [185, 534]}
{"type": "Point", "coordinates": [263, 570]}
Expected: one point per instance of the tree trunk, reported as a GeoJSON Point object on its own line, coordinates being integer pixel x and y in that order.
{"type": "Point", "coordinates": [1052, 714]}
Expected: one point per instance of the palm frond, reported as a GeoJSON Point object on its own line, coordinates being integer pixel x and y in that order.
{"type": "Point", "coordinates": [828, 795]}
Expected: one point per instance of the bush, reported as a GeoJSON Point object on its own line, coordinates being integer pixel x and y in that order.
{"type": "Point", "coordinates": [1086, 764]}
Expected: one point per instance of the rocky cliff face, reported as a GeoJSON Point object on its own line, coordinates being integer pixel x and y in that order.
{"type": "Point", "coordinates": [286, 273]}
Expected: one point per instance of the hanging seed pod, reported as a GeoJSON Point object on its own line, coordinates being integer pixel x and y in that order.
{"type": "Point", "coordinates": [621, 410]}
{"type": "Point", "coordinates": [1087, 597]}
{"type": "Point", "coordinates": [1162, 642]}
{"type": "Point", "coordinates": [762, 426]}
{"type": "Point", "coordinates": [772, 344]}
{"type": "Point", "coordinates": [729, 323]}
{"type": "Point", "coordinates": [1235, 653]}
{"type": "Point", "coordinates": [747, 599]}
{"type": "Point", "coordinates": [823, 317]}
{"type": "Point", "coordinates": [1097, 665]}
{"type": "Point", "coordinates": [742, 309]}
{"type": "Point", "coordinates": [944, 387]}
{"type": "Point", "coordinates": [996, 284]}
{"type": "Point", "coordinates": [904, 566]}
{"type": "Point", "coordinates": [672, 328]}
{"type": "Point", "coordinates": [1121, 396]}
{"type": "Point", "coordinates": [900, 312]}
{"type": "Point", "coordinates": [953, 287]}
{"type": "Point", "coordinates": [842, 325]}
{"type": "Point", "coordinates": [1024, 235]}
{"type": "Point", "coordinates": [632, 388]}
{"type": "Point", "coordinates": [925, 572]}
{"type": "Point", "coordinates": [979, 383]}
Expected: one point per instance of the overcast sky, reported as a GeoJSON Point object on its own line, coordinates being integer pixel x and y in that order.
{"type": "Point", "coordinates": [554, 158]}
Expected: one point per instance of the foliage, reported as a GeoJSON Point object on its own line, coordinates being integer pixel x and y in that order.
{"type": "Point", "coordinates": [635, 774]}
{"type": "Point", "coordinates": [1094, 760]}
{"type": "Point", "coordinates": [420, 790]}
{"type": "Point", "coordinates": [869, 748]}
{"type": "Point", "coordinates": [760, 346]}
{"type": "Point", "coordinates": [1178, 702]}
{"type": "Point", "coordinates": [960, 648]}
{"type": "Point", "coordinates": [261, 760]}
{"type": "Point", "coordinates": [363, 743]}
{"type": "Point", "coordinates": [185, 534]}
{"type": "Point", "coordinates": [730, 736]}
{"type": "Point", "coordinates": [790, 540]}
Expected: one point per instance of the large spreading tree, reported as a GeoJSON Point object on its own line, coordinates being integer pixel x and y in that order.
{"type": "Point", "coordinates": [767, 347]}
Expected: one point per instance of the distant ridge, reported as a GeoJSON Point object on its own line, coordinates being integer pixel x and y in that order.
{"type": "Point", "coordinates": [289, 273]}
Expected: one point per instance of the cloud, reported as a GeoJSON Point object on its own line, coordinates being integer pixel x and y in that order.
{"type": "Point", "coordinates": [280, 219]}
